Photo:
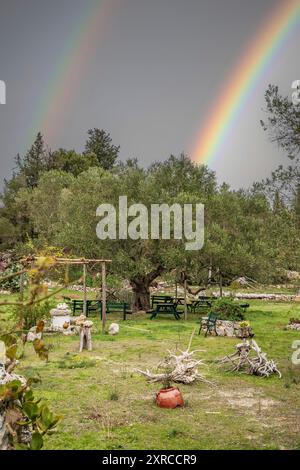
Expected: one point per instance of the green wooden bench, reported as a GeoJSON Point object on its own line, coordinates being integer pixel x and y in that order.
{"type": "Point", "coordinates": [210, 324]}
{"type": "Point", "coordinates": [122, 307]}
{"type": "Point", "coordinates": [77, 305]}
{"type": "Point", "coordinates": [168, 308]}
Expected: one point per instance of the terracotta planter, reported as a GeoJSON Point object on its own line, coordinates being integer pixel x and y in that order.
{"type": "Point", "coordinates": [169, 398]}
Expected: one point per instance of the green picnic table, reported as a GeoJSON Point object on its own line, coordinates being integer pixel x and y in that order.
{"type": "Point", "coordinates": [178, 300]}
{"type": "Point", "coordinates": [165, 308]}
{"type": "Point", "coordinates": [159, 299]}
{"type": "Point", "coordinates": [202, 303]}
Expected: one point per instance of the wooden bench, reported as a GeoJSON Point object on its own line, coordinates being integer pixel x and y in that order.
{"type": "Point", "coordinates": [168, 308]}
{"type": "Point", "coordinates": [116, 307]}
{"type": "Point", "coordinates": [77, 305]}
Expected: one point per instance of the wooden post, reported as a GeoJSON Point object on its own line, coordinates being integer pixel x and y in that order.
{"type": "Point", "coordinates": [22, 287]}
{"type": "Point", "coordinates": [21, 318]}
{"type": "Point", "coordinates": [103, 297]}
{"type": "Point", "coordinates": [221, 284]}
{"type": "Point", "coordinates": [209, 272]}
{"type": "Point", "coordinates": [185, 304]}
{"type": "Point", "coordinates": [84, 291]}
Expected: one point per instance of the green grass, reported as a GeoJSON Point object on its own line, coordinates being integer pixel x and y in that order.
{"type": "Point", "coordinates": [106, 405]}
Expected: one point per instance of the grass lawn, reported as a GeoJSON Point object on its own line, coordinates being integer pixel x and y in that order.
{"type": "Point", "coordinates": [107, 406]}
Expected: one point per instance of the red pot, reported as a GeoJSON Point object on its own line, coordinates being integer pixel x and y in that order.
{"type": "Point", "coordinates": [169, 398]}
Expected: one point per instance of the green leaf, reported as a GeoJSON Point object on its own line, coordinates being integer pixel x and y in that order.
{"type": "Point", "coordinates": [29, 395]}
{"type": "Point", "coordinates": [31, 410]}
{"type": "Point", "coordinates": [37, 441]}
{"type": "Point", "coordinates": [11, 351]}
{"type": "Point", "coordinates": [21, 446]}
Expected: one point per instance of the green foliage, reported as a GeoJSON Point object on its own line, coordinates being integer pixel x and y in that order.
{"type": "Point", "coordinates": [32, 414]}
{"type": "Point", "coordinates": [227, 309]}
{"type": "Point", "coordinates": [34, 162]}
{"type": "Point", "coordinates": [8, 233]}
{"type": "Point", "coordinates": [32, 314]}
{"type": "Point", "coordinates": [68, 161]}
{"type": "Point", "coordinates": [283, 121]}
{"type": "Point", "coordinates": [75, 362]}
{"type": "Point", "coordinates": [12, 283]}
{"type": "Point", "coordinates": [19, 404]}
{"type": "Point", "coordinates": [41, 349]}
{"type": "Point", "coordinates": [114, 396]}
{"type": "Point", "coordinates": [11, 344]}
{"type": "Point", "coordinates": [100, 144]}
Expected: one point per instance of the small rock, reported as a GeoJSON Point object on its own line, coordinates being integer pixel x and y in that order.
{"type": "Point", "coordinates": [113, 329]}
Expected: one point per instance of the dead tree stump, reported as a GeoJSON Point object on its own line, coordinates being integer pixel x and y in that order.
{"type": "Point", "coordinates": [85, 333]}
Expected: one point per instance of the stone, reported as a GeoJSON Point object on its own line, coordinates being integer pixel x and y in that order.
{"type": "Point", "coordinates": [229, 328]}
{"type": "Point", "coordinates": [113, 329]}
{"type": "Point", "coordinates": [293, 326]}
{"type": "Point", "coordinates": [60, 315]}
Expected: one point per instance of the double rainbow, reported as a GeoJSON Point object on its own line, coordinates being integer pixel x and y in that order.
{"type": "Point", "coordinates": [243, 79]}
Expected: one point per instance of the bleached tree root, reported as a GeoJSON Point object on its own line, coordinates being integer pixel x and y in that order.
{"type": "Point", "coordinates": [250, 359]}
{"type": "Point", "coordinates": [177, 368]}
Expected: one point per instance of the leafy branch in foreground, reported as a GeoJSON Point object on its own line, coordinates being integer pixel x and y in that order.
{"type": "Point", "coordinates": [24, 420]}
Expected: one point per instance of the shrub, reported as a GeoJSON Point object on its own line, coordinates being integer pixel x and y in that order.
{"type": "Point", "coordinates": [11, 284]}
{"type": "Point", "coordinates": [32, 314]}
{"type": "Point", "coordinates": [227, 309]}
{"type": "Point", "coordinates": [75, 362]}
{"type": "Point", "coordinates": [26, 414]}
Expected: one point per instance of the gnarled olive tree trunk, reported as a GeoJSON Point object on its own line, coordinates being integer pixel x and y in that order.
{"type": "Point", "coordinates": [141, 289]}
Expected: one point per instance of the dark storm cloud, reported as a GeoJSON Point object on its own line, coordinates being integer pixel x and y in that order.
{"type": "Point", "coordinates": [150, 83]}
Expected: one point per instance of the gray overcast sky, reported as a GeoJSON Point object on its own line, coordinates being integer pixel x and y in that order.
{"type": "Point", "coordinates": [149, 78]}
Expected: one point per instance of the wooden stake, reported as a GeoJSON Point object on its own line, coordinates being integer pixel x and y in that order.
{"type": "Point", "coordinates": [221, 284]}
{"type": "Point", "coordinates": [84, 291]}
{"type": "Point", "coordinates": [103, 297]}
{"type": "Point", "coordinates": [21, 319]}
{"type": "Point", "coordinates": [185, 304]}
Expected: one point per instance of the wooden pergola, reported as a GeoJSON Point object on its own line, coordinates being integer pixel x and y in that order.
{"type": "Point", "coordinates": [84, 262]}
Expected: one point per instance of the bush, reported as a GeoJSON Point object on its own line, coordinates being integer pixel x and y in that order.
{"type": "Point", "coordinates": [32, 314]}
{"type": "Point", "coordinates": [227, 309]}
{"type": "Point", "coordinates": [11, 284]}
{"type": "Point", "coordinates": [76, 361]}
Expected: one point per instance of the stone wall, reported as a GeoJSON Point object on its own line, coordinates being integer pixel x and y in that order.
{"type": "Point", "coordinates": [229, 328]}
{"type": "Point", "coordinates": [293, 326]}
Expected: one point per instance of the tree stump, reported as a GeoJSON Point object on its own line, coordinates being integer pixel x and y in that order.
{"type": "Point", "coordinates": [85, 333]}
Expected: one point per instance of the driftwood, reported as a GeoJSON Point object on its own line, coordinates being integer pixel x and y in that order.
{"type": "Point", "coordinates": [250, 359]}
{"type": "Point", "coordinates": [177, 368]}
